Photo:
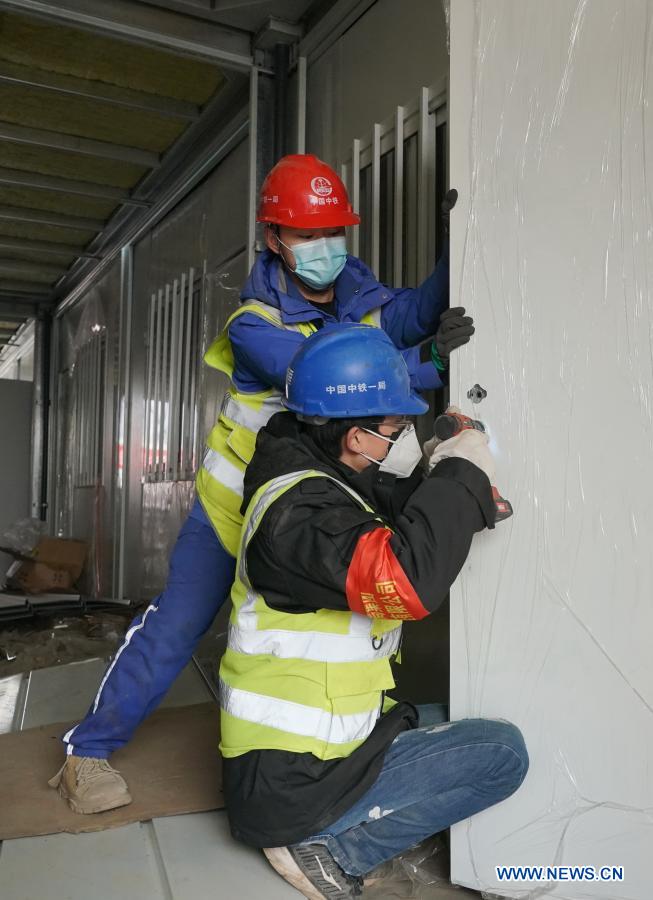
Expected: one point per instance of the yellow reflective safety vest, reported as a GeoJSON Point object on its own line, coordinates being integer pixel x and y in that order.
{"type": "Point", "coordinates": [300, 682]}
{"type": "Point", "coordinates": [230, 445]}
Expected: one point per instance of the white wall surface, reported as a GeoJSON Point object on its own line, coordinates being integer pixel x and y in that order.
{"type": "Point", "coordinates": [552, 252]}
{"type": "Point", "coordinates": [16, 425]}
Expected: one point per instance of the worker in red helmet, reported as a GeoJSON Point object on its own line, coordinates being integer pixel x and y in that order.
{"type": "Point", "coordinates": [304, 280]}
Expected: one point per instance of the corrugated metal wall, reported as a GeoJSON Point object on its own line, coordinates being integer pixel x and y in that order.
{"type": "Point", "coordinates": [207, 233]}
{"type": "Point", "coordinates": [84, 434]}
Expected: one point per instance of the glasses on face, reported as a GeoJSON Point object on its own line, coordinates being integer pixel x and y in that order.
{"type": "Point", "coordinates": [396, 427]}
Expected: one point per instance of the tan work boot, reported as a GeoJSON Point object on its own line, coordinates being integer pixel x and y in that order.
{"type": "Point", "coordinates": [90, 785]}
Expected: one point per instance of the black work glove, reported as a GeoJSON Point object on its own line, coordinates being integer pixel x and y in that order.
{"type": "Point", "coordinates": [454, 330]}
{"type": "Point", "coordinates": [446, 206]}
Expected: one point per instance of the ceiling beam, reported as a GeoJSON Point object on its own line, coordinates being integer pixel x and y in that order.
{"type": "Point", "coordinates": [97, 91]}
{"type": "Point", "coordinates": [19, 309]}
{"type": "Point", "coordinates": [30, 291]}
{"type": "Point", "coordinates": [45, 217]}
{"type": "Point", "coordinates": [207, 9]}
{"type": "Point", "coordinates": [20, 134]}
{"type": "Point", "coordinates": [11, 311]}
{"type": "Point", "coordinates": [137, 23]}
{"type": "Point", "coordinates": [16, 177]}
{"type": "Point", "coordinates": [52, 247]}
{"type": "Point", "coordinates": [27, 268]}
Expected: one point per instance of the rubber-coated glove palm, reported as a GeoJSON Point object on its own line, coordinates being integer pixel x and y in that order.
{"type": "Point", "coordinates": [454, 330]}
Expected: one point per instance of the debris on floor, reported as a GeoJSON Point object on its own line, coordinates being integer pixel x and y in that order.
{"type": "Point", "coordinates": [44, 641]}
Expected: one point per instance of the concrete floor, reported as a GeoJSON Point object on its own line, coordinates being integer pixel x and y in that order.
{"type": "Point", "coordinates": [188, 857]}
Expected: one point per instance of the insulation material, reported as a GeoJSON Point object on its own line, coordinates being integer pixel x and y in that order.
{"type": "Point", "coordinates": [77, 52]}
{"type": "Point", "coordinates": [552, 253]}
{"type": "Point", "coordinates": [46, 161]}
{"type": "Point", "coordinates": [85, 117]}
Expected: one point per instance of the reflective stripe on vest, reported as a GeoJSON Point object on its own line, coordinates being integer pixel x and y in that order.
{"type": "Point", "coordinates": [305, 682]}
{"type": "Point", "coordinates": [247, 416]}
{"type": "Point", "coordinates": [319, 647]}
{"type": "Point", "coordinates": [306, 721]}
{"type": "Point", "coordinates": [223, 471]}
{"type": "Point", "coordinates": [230, 444]}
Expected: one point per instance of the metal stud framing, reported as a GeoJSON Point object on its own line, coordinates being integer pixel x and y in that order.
{"type": "Point", "coordinates": [398, 228]}
{"type": "Point", "coordinates": [355, 190]}
{"type": "Point", "coordinates": [301, 104]}
{"type": "Point", "coordinates": [253, 184]}
{"type": "Point", "coordinates": [89, 387]}
{"type": "Point", "coordinates": [423, 147]}
{"type": "Point", "coordinates": [170, 443]}
{"type": "Point", "coordinates": [415, 120]}
{"type": "Point", "coordinates": [376, 196]}
{"type": "Point", "coordinates": [122, 422]}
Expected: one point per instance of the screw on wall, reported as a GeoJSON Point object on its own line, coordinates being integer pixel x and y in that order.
{"type": "Point", "coordinates": [476, 394]}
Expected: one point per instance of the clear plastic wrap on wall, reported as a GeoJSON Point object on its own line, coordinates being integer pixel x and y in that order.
{"type": "Point", "coordinates": [552, 253]}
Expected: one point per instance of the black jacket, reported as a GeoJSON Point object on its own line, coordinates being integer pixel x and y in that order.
{"type": "Point", "coordinates": [299, 560]}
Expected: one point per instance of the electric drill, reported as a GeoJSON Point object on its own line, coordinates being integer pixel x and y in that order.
{"type": "Point", "coordinates": [448, 425]}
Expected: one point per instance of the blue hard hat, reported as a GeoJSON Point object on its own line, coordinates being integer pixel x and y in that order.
{"type": "Point", "coordinates": [350, 371]}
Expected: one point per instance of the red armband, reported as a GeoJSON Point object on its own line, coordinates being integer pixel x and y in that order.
{"type": "Point", "coordinates": [377, 586]}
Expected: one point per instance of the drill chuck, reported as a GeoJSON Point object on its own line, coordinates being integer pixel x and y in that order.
{"type": "Point", "coordinates": [448, 425]}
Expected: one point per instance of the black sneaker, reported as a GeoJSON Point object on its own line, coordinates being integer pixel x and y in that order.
{"type": "Point", "coordinates": [312, 870]}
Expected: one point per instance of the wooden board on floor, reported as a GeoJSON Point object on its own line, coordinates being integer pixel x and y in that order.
{"type": "Point", "coordinates": [172, 766]}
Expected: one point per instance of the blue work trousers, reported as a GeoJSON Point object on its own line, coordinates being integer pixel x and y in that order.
{"type": "Point", "coordinates": [432, 777]}
{"type": "Point", "coordinates": [160, 641]}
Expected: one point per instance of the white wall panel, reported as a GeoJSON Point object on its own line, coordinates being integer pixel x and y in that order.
{"type": "Point", "coordinates": [552, 252]}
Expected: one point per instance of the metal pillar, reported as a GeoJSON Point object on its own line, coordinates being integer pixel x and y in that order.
{"type": "Point", "coordinates": [301, 105]}
{"type": "Point", "coordinates": [281, 64]}
{"type": "Point", "coordinates": [122, 423]}
{"type": "Point", "coordinates": [40, 417]}
{"type": "Point", "coordinates": [253, 179]}
{"type": "Point", "coordinates": [263, 123]}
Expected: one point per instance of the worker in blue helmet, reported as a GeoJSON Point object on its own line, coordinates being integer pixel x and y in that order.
{"type": "Point", "coordinates": [345, 536]}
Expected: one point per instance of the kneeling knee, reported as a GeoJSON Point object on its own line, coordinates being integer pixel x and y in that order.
{"type": "Point", "coordinates": [514, 760]}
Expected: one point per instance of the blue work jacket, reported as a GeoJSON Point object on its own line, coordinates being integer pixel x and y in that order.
{"type": "Point", "coordinates": [410, 316]}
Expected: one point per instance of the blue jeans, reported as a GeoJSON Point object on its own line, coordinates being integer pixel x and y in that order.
{"type": "Point", "coordinates": [432, 776]}
{"type": "Point", "coordinates": [160, 641]}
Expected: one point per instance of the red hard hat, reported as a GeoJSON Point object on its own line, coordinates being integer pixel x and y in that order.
{"type": "Point", "coordinates": [301, 191]}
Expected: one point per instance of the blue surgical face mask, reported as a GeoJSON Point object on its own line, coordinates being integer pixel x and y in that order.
{"type": "Point", "coordinates": [318, 263]}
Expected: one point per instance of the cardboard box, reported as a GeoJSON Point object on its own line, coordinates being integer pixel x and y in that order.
{"type": "Point", "coordinates": [64, 555]}
{"type": "Point", "coordinates": [37, 578]}
{"type": "Point", "coordinates": [54, 566]}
